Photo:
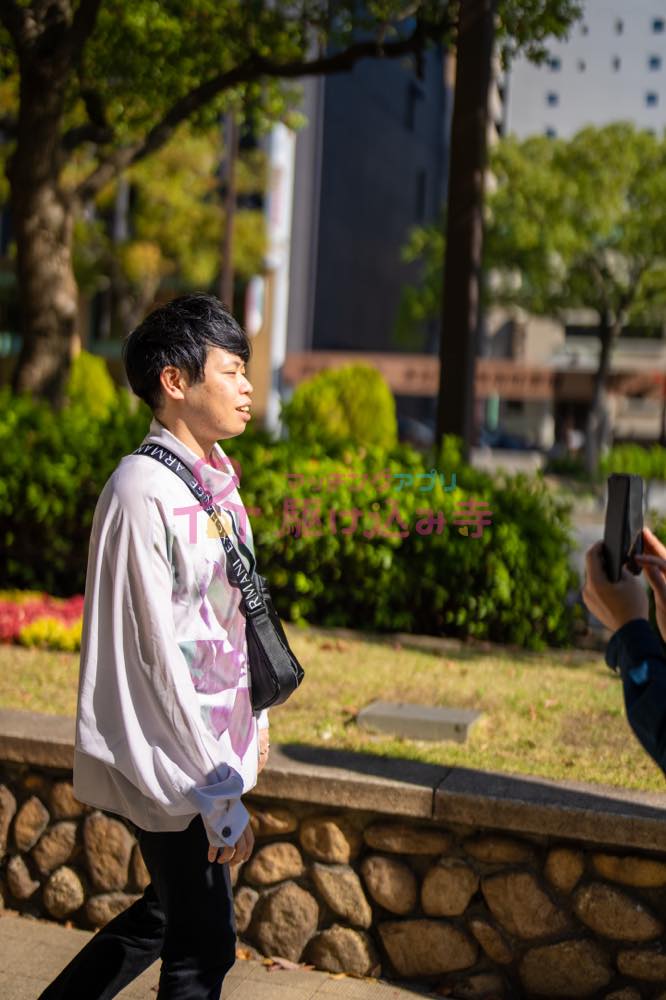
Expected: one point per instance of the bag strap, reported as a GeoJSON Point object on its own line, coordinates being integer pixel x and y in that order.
{"type": "Point", "coordinates": [251, 599]}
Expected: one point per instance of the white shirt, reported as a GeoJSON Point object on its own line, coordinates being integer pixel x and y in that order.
{"type": "Point", "coordinates": [165, 727]}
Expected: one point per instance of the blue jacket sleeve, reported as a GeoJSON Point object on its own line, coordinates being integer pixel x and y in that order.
{"type": "Point", "coordinates": [636, 653]}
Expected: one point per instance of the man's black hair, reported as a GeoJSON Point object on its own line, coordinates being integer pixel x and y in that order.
{"type": "Point", "coordinates": [179, 333]}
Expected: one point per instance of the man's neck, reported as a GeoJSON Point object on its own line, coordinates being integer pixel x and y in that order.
{"type": "Point", "coordinates": [179, 429]}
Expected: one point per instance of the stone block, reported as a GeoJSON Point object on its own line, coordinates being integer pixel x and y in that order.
{"type": "Point", "coordinates": [448, 887]}
{"type": "Point", "coordinates": [418, 722]}
{"type": "Point", "coordinates": [55, 847]}
{"type": "Point", "coordinates": [19, 880]}
{"type": "Point", "coordinates": [402, 838]}
{"type": "Point", "coordinates": [274, 863]}
{"type": "Point", "coordinates": [496, 850]}
{"type": "Point", "coordinates": [37, 739]}
{"type": "Point", "coordinates": [108, 847]}
{"type": "Point", "coordinates": [103, 908]}
{"type": "Point", "coordinates": [63, 804]}
{"type": "Point", "coordinates": [245, 900]}
{"type": "Point", "coordinates": [615, 915]}
{"type": "Point", "coordinates": [340, 888]}
{"type": "Point", "coordinates": [63, 893]}
{"type": "Point", "coordinates": [520, 905]}
{"type": "Point", "coordinates": [564, 868]}
{"type": "Point", "coordinates": [643, 964]}
{"type": "Point", "coordinates": [391, 883]}
{"type": "Point", "coordinates": [284, 920]}
{"type": "Point", "coordinates": [273, 822]}
{"type": "Point", "coordinates": [7, 813]}
{"type": "Point", "coordinates": [343, 950]}
{"type": "Point", "coordinates": [30, 823]}
{"type": "Point", "coordinates": [330, 838]}
{"type": "Point", "coordinates": [491, 941]}
{"type": "Point", "coordinates": [426, 947]}
{"type": "Point", "coordinates": [570, 969]}
{"type": "Point", "coordinates": [641, 873]}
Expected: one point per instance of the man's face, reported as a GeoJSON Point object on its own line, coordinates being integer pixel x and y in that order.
{"type": "Point", "coordinates": [218, 406]}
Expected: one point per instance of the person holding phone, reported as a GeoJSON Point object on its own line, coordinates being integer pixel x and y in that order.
{"type": "Point", "coordinates": [635, 649]}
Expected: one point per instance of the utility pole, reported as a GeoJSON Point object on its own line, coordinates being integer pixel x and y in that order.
{"type": "Point", "coordinates": [461, 312]}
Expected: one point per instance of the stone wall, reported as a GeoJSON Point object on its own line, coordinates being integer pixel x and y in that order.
{"type": "Point", "coordinates": [470, 901]}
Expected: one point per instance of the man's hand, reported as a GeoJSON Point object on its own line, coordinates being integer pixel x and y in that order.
{"type": "Point", "coordinates": [653, 563]}
{"type": "Point", "coordinates": [264, 748]}
{"type": "Point", "coordinates": [234, 855]}
{"type": "Point", "coordinates": [614, 604]}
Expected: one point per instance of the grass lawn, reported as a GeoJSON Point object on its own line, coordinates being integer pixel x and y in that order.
{"type": "Point", "coordinates": [557, 714]}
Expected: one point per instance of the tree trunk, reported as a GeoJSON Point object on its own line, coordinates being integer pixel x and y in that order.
{"type": "Point", "coordinates": [597, 415]}
{"type": "Point", "coordinates": [464, 230]}
{"type": "Point", "coordinates": [42, 216]}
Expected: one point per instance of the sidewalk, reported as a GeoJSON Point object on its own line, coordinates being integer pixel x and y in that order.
{"type": "Point", "coordinates": [32, 952]}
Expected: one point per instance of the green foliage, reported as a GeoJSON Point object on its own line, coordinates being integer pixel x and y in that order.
{"type": "Point", "coordinates": [636, 459]}
{"type": "Point", "coordinates": [52, 469]}
{"type": "Point", "coordinates": [90, 386]}
{"type": "Point", "coordinates": [348, 404]}
{"type": "Point", "coordinates": [570, 224]}
{"type": "Point", "coordinates": [510, 585]}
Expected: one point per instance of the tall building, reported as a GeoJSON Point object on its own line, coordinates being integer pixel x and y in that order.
{"type": "Point", "coordinates": [370, 165]}
{"type": "Point", "coordinates": [612, 67]}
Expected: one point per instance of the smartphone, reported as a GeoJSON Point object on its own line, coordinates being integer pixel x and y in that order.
{"type": "Point", "coordinates": [623, 532]}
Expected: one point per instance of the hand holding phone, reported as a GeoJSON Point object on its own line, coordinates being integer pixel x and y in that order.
{"type": "Point", "coordinates": [623, 533]}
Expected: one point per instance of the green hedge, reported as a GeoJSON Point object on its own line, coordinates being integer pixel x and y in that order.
{"type": "Point", "coordinates": [510, 585]}
{"type": "Point", "coordinates": [636, 459]}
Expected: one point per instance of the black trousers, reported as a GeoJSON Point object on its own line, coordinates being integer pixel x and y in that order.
{"type": "Point", "coordinates": [185, 917]}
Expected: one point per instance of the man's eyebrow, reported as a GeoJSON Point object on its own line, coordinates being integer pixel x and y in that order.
{"type": "Point", "coordinates": [238, 362]}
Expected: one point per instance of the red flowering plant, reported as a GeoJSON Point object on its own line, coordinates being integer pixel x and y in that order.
{"type": "Point", "coordinates": [33, 618]}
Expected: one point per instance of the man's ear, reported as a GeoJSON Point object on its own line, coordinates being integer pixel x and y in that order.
{"type": "Point", "coordinates": [173, 381]}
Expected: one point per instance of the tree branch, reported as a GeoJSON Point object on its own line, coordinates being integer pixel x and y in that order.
{"type": "Point", "coordinates": [253, 68]}
{"type": "Point", "coordinates": [83, 25]}
{"type": "Point", "coordinates": [13, 18]}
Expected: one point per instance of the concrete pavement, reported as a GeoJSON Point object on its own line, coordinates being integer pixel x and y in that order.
{"type": "Point", "coordinates": [32, 952]}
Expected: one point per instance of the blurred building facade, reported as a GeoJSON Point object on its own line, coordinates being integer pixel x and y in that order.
{"type": "Point", "coordinates": [370, 164]}
{"type": "Point", "coordinates": [612, 67]}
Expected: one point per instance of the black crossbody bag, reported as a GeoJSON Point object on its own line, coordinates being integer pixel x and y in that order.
{"type": "Point", "coordinates": [275, 673]}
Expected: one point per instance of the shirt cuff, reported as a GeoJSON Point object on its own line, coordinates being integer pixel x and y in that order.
{"type": "Point", "coordinates": [228, 830]}
{"type": "Point", "coordinates": [262, 719]}
{"type": "Point", "coordinates": [631, 645]}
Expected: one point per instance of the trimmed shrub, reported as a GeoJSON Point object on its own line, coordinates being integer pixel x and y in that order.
{"type": "Point", "coordinates": [90, 385]}
{"type": "Point", "coordinates": [334, 407]}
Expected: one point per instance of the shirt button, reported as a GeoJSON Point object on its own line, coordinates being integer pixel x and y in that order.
{"type": "Point", "coordinates": [226, 832]}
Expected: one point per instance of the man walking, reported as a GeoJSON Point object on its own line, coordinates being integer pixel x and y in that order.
{"type": "Point", "coordinates": [166, 736]}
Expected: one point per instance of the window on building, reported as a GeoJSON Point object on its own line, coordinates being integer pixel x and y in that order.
{"type": "Point", "coordinates": [651, 99]}
{"type": "Point", "coordinates": [581, 65]}
{"type": "Point", "coordinates": [551, 133]}
{"type": "Point", "coordinates": [619, 25]}
{"type": "Point", "coordinates": [658, 25]}
{"type": "Point", "coordinates": [555, 64]}
{"type": "Point", "coordinates": [654, 62]}
{"type": "Point", "coordinates": [552, 99]}
{"type": "Point", "coordinates": [616, 63]}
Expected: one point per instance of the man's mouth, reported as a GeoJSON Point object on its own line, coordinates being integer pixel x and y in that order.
{"type": "Point", "coordinates": [244, 409]}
